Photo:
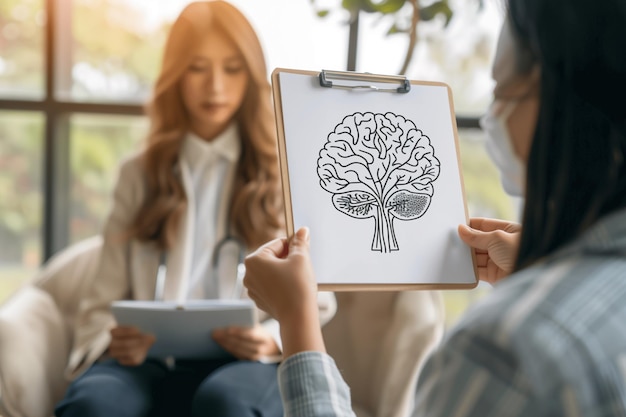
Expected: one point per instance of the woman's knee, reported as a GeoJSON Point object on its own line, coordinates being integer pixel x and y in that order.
{"type": "Point", "coordinates": [103, 396]}
{"type": "Point", "coordinates": [242, 389]}
{"type": "Point", "coordinates": [215, 398]}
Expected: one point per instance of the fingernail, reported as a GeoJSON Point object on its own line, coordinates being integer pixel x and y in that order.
{"type": "Point", "coordinates": [303, 233]}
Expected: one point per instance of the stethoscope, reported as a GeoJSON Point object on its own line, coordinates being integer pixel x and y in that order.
{"type": "Point", "coordinates": [240, 272]}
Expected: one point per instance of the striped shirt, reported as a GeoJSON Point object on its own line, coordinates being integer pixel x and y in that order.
{"type": "Point", "coordinates": [547, 341]}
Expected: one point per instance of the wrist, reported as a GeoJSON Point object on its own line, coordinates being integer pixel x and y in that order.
{"type": "Point", "coordinates": [301, 332]}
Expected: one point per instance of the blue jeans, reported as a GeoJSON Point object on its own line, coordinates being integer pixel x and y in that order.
{"type": "Point", "coordinates": [191, 389]}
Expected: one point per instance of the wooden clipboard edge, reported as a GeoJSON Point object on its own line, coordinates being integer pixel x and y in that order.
{"type": "Point", "coordinates": [393, 287]}
{"type": "Point", "coordinates": [461, 178]}
{"type": "Point", "coordinates": [289, 223]}
{"type": "Point", "coordinates": [282, 150]}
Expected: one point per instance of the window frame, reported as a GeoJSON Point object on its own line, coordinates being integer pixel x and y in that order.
{"type": "Point", "coordinates": [56, 112]}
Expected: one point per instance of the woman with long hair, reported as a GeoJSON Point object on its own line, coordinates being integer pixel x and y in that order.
{"type": "Point", "coordinates": [208, 174]}
{"type": "Point", "coordinates": [550, 339]}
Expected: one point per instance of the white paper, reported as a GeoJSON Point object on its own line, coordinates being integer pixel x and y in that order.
{"type": "Point", "coordinates": [185, 332]}
{"type": "Point", "coordinates": [345, 248]}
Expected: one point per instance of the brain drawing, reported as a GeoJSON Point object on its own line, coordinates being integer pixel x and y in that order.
{"type": "Point", "coordinates": [381, 166]}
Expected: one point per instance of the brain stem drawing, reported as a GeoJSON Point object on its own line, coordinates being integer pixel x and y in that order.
{"type": "Point", "coordinates": [381, 166]}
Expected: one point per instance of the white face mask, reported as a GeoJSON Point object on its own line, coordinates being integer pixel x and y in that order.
{"type": "Point", "coordinates": [499, 148]}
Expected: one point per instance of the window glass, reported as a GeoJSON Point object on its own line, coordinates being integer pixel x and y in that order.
{"type": "Point", "coordinates": [123, 65]}
{"type": "Point", "coordinates": [20, 218]}
{"type": "Point", "coordinates": [120, 66]}
{"type": "Point", "coordinates": [459, 54]}
{"type": "Point", "coordinates": [21, 49]}
{"type": "Point", "coordinates": [98, 144]}
{"type": "Point", "coordinates": [294, 37]}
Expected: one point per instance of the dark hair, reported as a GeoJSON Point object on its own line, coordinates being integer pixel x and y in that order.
{"type": "Point", "coordinates": [576, 170]}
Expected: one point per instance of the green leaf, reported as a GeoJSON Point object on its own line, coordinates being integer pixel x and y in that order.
{"type": "Point", "coordinates": [441, 7]}
{"type": "Point", "coordinates": [322, 13]}
{"type": "Point", "coordinates": [351, 4]}
{"type": "Point", "coordinates": [395, 29]}
{"type": "Point", "coordinates": [384, 7]}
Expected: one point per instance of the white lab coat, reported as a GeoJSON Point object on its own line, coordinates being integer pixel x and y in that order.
{"type": "Point", "coordinates": [128, 270]}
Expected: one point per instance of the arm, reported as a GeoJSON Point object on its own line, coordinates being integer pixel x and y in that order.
{"type": "Point", "coordinates": [111, 281]}
{"type": "Point", "coordinates": [327, 307]}
{"type": "Point", "coordinates": [311, 386]}
{"type": "Point", "coordinates": [265, 342]}
{"type": "Point", "coordinates": [280, 279]}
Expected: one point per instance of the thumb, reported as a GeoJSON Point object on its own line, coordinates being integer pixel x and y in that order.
{"type": "Point", "coordinates": [300, 240]}
{"type": "Point", "coordinates": [475, 238]}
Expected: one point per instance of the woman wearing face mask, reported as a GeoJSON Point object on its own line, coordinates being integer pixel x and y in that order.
{"type": "Point", "coordinates": [208, 171]}
{"type": "Point", "coordinates": [550, 339]}
{"type": "Point", "coordinates": [496, 241]}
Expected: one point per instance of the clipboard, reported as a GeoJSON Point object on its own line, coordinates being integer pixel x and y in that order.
{"type": "Point", "coordinates": [370, 163]}
{"type": "Point", "coordinates": [184, 331]}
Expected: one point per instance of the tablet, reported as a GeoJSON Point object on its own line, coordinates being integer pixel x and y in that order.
{"type": "Point", "coordinates": [184, 331]}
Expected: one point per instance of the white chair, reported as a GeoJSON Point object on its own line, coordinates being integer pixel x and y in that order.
{"type": "Point", "coordinates": [379, 341]}
{"type": "Point", "coordinates": [36, 331]}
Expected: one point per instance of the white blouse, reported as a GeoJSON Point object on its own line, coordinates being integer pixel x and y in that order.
{"type": "Point", "coordinates": [211, 167]}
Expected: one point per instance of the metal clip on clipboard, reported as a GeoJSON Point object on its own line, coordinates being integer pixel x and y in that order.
{"type": "Point", "coordinates": [325, 76]}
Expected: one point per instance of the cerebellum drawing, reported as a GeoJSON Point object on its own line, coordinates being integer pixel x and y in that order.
{"type": "Point", "coordinates": [381, 166]}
